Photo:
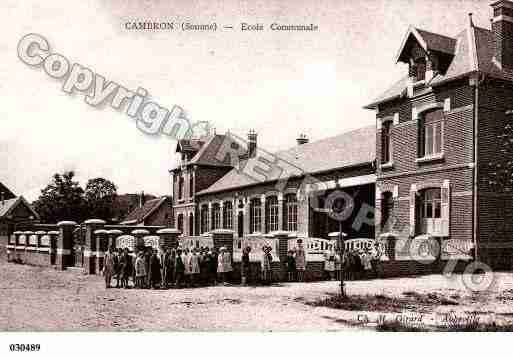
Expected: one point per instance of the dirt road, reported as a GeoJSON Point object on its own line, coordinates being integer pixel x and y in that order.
{"type": "Point", "coordinates": [35, 298]}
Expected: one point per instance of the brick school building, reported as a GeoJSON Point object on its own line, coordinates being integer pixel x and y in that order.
{"type": "Point", "coordinates": [436, 168]}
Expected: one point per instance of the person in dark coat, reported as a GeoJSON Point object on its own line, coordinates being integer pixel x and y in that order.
{"type": "Point", "coordinates": [291, 265]}
{"type": "Point", "coordinates": [155, 267]}
{"type": "Point", "coordinates": [245, 265]}
{"type": "Point", "coordinates": [147, 256]}
{"type": "Point", "coordinates": [168, 264]}
{"type": "Point", "coordinates": [179, 268]}
{"type": "Point", "coordinates": [126, 268]}
{"type": "Point", "coordinates": [117, 267]}
{"type": "Point", "coordinates": [212, 270]}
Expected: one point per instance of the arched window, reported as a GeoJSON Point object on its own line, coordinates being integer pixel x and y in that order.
{"type": "Point", "coordinates": [386, 149]}
{"type": "Point", "coordinates": [180, 222]}
{"type": "Point", "coordinates": [191, 224]}
{"type": "Point", "coordinates": [430, 210]}
{"type": "Point", "coordinates": [216, 216]}
{"type": "Point", "coordinates": [228, 215]}
{"type": "Point", "coordinates": [204, 218]}
{"type": "Point", "coordinates": [290, 214]}
{"type": "Point", "coordinates": [271, 214]}
{"type": "Point", "coordinates": [387, 205]}
{"type": "Point", "coordinates": [431, 133]}
{"type": "Point", "coordinates": [255, 215]}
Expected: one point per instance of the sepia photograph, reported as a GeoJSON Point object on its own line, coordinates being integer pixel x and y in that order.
{"type": "Point", "coordinates": [254, 167]}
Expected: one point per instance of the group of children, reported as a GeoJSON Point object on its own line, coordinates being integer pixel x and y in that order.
{"type": "Point", "coordinates": [173, 268]}
{"type": "Point", "coordinates": [205, 266]}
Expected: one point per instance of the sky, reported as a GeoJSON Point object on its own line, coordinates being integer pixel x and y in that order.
{"type": "Point", "coordinates": [280, 84]}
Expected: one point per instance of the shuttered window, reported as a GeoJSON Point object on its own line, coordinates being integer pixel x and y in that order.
{"type": "Point", "coordinates": [430, 211]}
{"type": "Point", "coordinates": [216, 216]}
{"type": "Point", "coordinates": [228, 215]}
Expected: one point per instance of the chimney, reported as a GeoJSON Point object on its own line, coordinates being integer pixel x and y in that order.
{"type": "Point", "coordinates": [141, 199]}
{"type": "Point", "coordinates": [302, 139]}
{"type": "Point", "coordinates": [252, 143]}
{"type": "Point", "coordinates": [502, 27]}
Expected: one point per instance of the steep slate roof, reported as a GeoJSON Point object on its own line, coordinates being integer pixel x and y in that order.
{"type": "Point", "coordinates": [189, 145]}
{"type": "Point", "coordinates": [139, 214]}
{"type": "Point", "coordinates": [473, 52]}
{"type": "Point", "coordinates": [8, 194]}
{"type": "Point", "coordinates": [205, 150]}
{"type": "Point", "coordinates": [7, 206]}
{"type": "Point", "coordinates": [345, 150]}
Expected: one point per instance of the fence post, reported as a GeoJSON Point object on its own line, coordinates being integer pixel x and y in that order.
{"type": "Point", "coordinates": [113, 234]}
{"type": "Point", "coordinates": [168, 238]}
{"type": "Point", "coordinates": [90, 242]}
{"type": "Point", "coordinates": [64, 244]}
{"type": "Point", "coordinates": [139, 238]}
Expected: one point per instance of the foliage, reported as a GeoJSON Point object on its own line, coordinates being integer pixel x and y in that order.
{"type": "Point", "coordinates": [61, 200]}
{"type": "Point", "coordinates": [65, 199]}
{"type": "Point", "coordinates": [100, 195]}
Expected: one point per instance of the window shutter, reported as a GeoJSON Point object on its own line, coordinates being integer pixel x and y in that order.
{"type": "Point", "coordinates": [413, 195]}
{"type": "Point", "coordinates": [445, 207]}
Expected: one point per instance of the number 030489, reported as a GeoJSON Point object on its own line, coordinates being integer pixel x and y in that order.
{"type": "Point", "coordinates": [24, 347]}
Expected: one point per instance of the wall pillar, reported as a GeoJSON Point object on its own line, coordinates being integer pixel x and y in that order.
{"type": "Point", "coordinates": [263, 217]}
{"type": "Point", "coordinates": [280, 212]}
{"type": "Point", "coordinates": [303, 214]}
{"type": "Point", "coordinates": [210, 219]}
{"type": "Point", "coordinates": [90, 260]}
{"type": "Point", "coordinates": [139, 239]}
{"type": "Point", "coordinates": [247, 215]}
{"type": "Point", "coordinates": [112, 235]}
{"type": "Point", "coordinates": [64, 244]}
{"type": "Point", "coordinates": [168, 238]}
{"type": "Point", "coordinates": [221, 219]}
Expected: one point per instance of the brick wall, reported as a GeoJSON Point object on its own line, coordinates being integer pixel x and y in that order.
{"type": "Point", "coordinates": [495, 212]}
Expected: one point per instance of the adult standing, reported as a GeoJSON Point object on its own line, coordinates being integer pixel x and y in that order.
{"type": "Point", "coordinates": [140, 270]}
{"type": "Point", "coordinates": [195, 267]}
{"type": "Point", "coordinates": [179, 268]}
{"type": "Point", "coordinates": [223, 267]}
{"type": "Point", "coordinates": [245, 265]}
{"type": "Point", "coordinates": [155, 267]}
{"type": "Point", "coordinates": [168, 268]}
{"type": "Point", "coordinates": [300, 255]}
{"type": "Point", "coordinates": [266, 264]}
{"type": "Point", "coordinates": [108, 267]}
{"type": "Point", "coordinates": [212, 266]}
{"type": "Point", "coordinates": [147, 257]}
{"type": "Point", "coordinates": [126, 268]}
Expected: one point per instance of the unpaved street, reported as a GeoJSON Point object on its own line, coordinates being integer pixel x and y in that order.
{"type": "Point", "coordinates": [35, 298]}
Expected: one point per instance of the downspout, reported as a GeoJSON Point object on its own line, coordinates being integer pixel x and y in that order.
{"type": "Point", "coordinates": [475, 224]}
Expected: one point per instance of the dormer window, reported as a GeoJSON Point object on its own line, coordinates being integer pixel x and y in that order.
{"type": "Point", "coordinates": [420, 69]}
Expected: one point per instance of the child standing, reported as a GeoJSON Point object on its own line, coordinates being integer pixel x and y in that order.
{"type": "Point", "coordinates": [291, 265]}
{"type": "Point", "coordinates": [140, 270]}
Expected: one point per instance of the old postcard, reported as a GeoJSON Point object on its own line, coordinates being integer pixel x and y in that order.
{"type": "Point", "coordinates": [256, 166]}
